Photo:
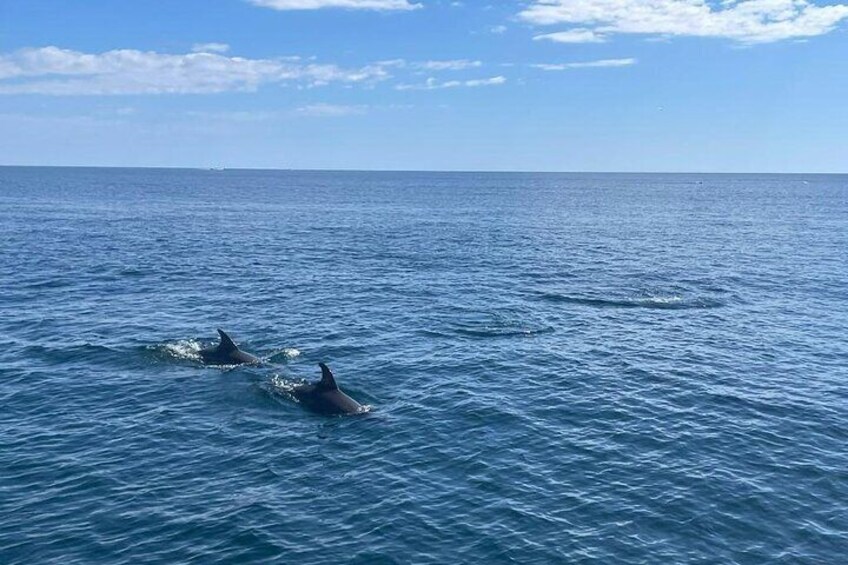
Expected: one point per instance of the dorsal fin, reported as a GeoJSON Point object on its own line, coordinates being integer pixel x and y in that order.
{"type": "Point", "coordinates": [227, 344]}
{"type": "Point", "coordinates": [328, 381]}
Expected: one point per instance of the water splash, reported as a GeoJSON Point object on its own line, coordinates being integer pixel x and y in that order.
{"type": "Point", "coordinates": [285, 354]}
{"type": "Point", "coordinates": [182, 350]}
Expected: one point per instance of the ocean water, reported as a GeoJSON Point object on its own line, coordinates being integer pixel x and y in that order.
{"type": "Point", "coordinates": [561, 368]}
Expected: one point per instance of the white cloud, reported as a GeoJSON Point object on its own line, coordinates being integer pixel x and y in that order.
{"type": "Point", "coordinates": [330, 110]}
{"type": "Point", "coordinates": [498, 29]}
{"type": "Point", "coordinates": [234, 116]}
{"type": "Point", "coordinates": [433, 84]}
{"type": "Point", "coordinates": [454, 65]}
{"type": "Point", "coordinates": [603, 63]}
{"type": "Point", "coordinates": [433, 66]}
{"type": "Point", "coordinates": [485, 81]}
{"type": "Point", "coordinates": [397, 63]}
{"type": "Point", "coordinates": [380, 5]}
{"type": "Point", "coordinates": [55, 71]}
{"type": "Point", "coordinates": [577, 35]}
{"type": "Point", "coordinates": [747, 21]}
{"type": "Point", "coordinates": [210, 47]}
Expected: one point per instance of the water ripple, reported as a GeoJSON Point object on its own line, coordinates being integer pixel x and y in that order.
{"type": "Point", "coordinates": [562, 368]}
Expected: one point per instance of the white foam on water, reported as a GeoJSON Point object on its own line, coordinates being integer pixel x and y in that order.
{"type": "Point", "coordinates": [286, 353]}
{"type": "Point", "coordinates": [673, 299]}
{"type": "Point", "coordinates": [280, 384]}
{"type": "Point", "coordinates": [184, 349]}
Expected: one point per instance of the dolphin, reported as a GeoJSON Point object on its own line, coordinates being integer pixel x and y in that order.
{"type": "Point", "coordinates": [227, 353]}
{"type": "Point", "coordinates": [325, 397]}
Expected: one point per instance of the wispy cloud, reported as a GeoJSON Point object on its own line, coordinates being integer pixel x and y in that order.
{"type": "Point", "coordinates": [602, 63]}
{"type": "Point", "coordinates": [433, 66]}
{"type": "Point", "coordinates": [577, 35]}
{"type": "Point", "coordinates": [321, 110]}
{"type": "Point", "coordinates": [434, 84]}
{"type": "Point", "coordinates": [210, 47]}
{"type": "Point", "coordinates": [379, 5]}
{"type": "Point", "coordinates": [746, 21]}
{"type": "Point", "coordinates": [232, 116]}
{"type": "Point", "coordinates": [452, 65]}
{"type": "Point", "coordinates": [55, 71]}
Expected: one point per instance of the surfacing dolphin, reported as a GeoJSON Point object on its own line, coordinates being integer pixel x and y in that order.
{"type": "Point", "coordinates": [227, 353]}
{"type": "Point", "coordinates": [325, 397]}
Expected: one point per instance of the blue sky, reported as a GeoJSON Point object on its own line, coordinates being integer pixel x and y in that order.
{"type": "Point", "coordinates": [544, 85]}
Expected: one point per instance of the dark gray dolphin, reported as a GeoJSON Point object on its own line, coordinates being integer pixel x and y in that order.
{"type": "Point", "coordinates": [325, 397]}
{"type": "Point", "coordinates": [227, 353]}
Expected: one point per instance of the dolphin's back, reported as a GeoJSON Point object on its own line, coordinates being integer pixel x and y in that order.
{"type": "Point", "coordinates": [227, 353]}
{"type": "Point", "coordinates": [340, 403]}
{"type": "Point", "coordinates": [325, 397]}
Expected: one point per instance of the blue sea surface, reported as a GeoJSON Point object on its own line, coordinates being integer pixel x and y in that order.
{"type": "Point", "coordinates": [561, 368]}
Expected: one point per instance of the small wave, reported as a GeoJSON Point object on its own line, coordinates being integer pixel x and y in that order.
{"type": "Point", "coordinates": [285, 354]}
{"type": "Point", "coordinates": [132, 272]}
{"type": "Point", "coordinates": [433, 333]}
{"type": "Point", "coordinates": [58, 353]}
{"type": "Point", "coordinates": [502, 332]}
{"type": "Point", "coordinates": [487, 325]}
{"type": "Point", "coordinates": [46, 284]}
{"type": "Point", "coordinates": [670, 302]}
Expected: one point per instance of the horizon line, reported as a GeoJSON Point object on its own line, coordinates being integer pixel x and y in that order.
{"type": "Point", "coordinates": [449, 171]}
